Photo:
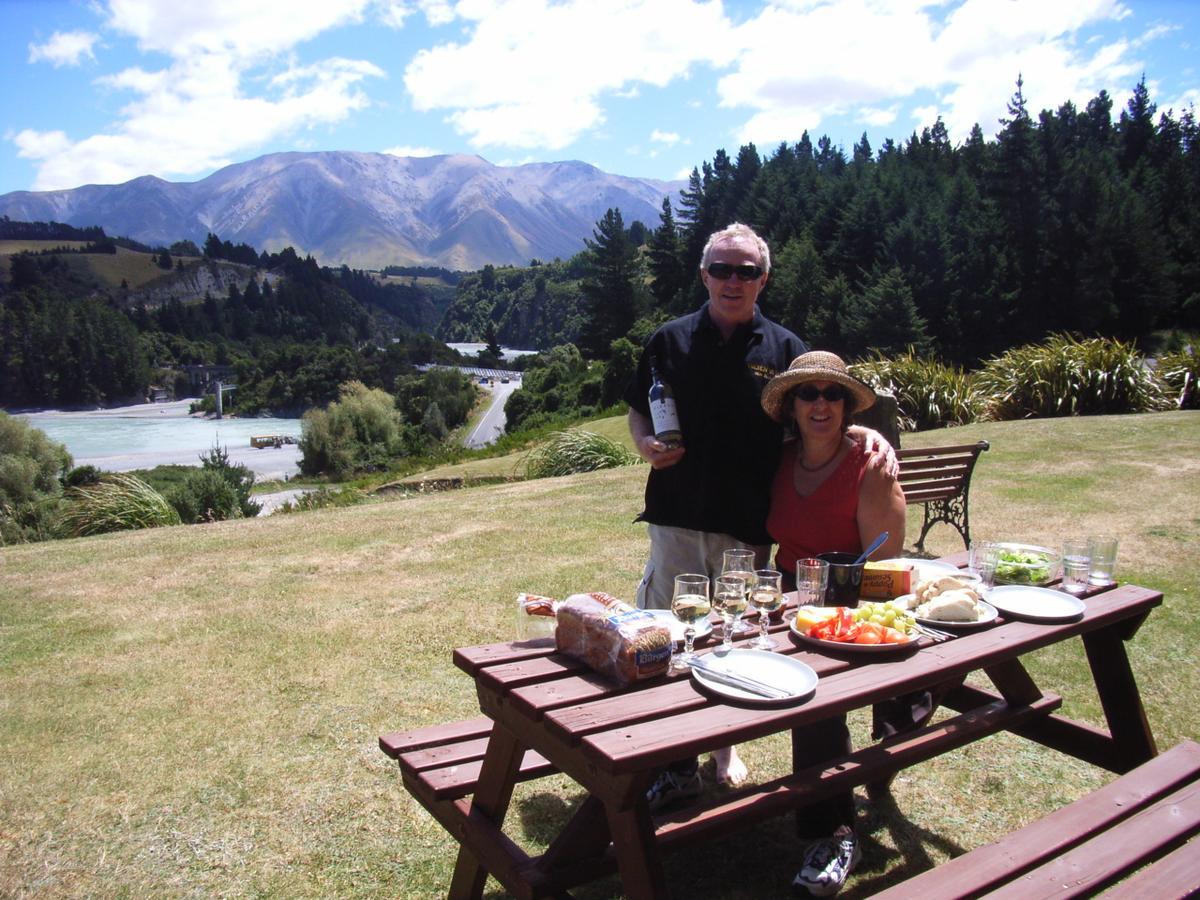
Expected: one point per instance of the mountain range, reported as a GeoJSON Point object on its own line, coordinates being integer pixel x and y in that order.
{"type": "Point", "coordinates": [365, 210]}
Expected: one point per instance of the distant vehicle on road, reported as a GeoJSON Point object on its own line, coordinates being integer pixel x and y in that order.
{"type": "Point", "coordinates": [483, 380]}
{"type": "Point", "coordinates": [504, 381]}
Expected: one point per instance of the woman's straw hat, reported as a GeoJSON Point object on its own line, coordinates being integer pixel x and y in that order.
{"type": "Point", "coordinates": [816, 365]}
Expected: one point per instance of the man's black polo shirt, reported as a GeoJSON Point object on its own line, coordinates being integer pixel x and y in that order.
{"type": "Point", "coordinates": [723, 482]}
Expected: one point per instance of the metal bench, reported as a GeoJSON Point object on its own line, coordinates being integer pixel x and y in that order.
{"type": "Point", "coordinates": [940, 478]}
{"type": "Point", "coordinates": [1139, 832]}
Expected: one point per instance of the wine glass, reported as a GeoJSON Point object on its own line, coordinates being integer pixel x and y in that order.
{"type": "Point", "coordinates": [766, 596]}
{"type": "Point", "coordinates": [740, 562]}
{"type": "Point", "coordinates": [812, 578]}
{"type": "Point", "coordinates": [729, 599]}
{"type": "Point", "coordinates": [689, 604]}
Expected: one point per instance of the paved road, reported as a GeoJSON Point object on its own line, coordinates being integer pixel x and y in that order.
{"type": "Point", "coordinates": [491, 426]}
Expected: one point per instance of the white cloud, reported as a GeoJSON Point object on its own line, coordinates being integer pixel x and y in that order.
{"type": "Point", "coordinates": [532, 74]}
{"type": "Point", "coordinates": [877, 117]}
{"type": "Point", "coordinates": [65, 48]}
{"type": "Point", "coordinates": [412, 151]}
{"type": "Point", "coordinates": [670, 138]}
{"type": "Point", "coordinates": [925, 116]}
{"type": "Point", "coordinates": [241, 30]}
{"type": "Point", "coordinates": [40, 144]}
{"type": "Point", "coordinates": [800, 62]}
{"type": "Point", "coordinates": [393, 12]}
{"type": "Point", "coordinates": [230, 87]}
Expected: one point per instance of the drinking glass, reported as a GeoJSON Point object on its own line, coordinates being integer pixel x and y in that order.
{"type": "Point", "coordinates": [729, 599]}
{"type": "Point", "coordinates": [1103, 554]}
{"type": "Point", "coordinates": [812, 577]}
{"type": "Point", "coordinates": [740, 562]}
{"type": "Point", "coordinates": [984, 556]}
{"type": "Point", "coordinates": [1076, 563]}
{"type": "Point", "coordinates": [767, 596]}
{"type": "Point", "coordinates": [689, 604]}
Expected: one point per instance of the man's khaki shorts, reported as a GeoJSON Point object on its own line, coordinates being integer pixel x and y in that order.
{"type": "Point", "coordinates": [674, 551]}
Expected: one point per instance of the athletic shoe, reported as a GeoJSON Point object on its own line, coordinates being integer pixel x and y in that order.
{"type": "Point", "coordinates": [671, 786]}
{"type": "Point", "coordinates": [827, 864]}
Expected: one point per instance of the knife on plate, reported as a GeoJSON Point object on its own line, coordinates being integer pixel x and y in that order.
{"type": "Point", "coordinates": [738, 680]}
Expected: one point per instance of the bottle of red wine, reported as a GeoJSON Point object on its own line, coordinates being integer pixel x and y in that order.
{"type": "Point", "coordinates": [662, 409]}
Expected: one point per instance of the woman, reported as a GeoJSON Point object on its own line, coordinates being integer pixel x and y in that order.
{"type": "Point", "coordinates": [827, 497]}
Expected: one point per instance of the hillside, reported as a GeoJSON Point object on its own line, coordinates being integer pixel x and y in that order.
{"type": "Point", "coordinates": [195, 710]}
{"type": "Point", "coordinates": [365, 210]}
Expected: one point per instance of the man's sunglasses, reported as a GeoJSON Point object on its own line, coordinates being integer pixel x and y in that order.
{"type": "Point", "coordinates": [725, 271]}
{"type": "Point", "coordinates": [809, 394]}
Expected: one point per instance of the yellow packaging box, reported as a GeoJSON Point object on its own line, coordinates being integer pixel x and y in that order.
{"type": "Point", "coordinates": [886, 581]}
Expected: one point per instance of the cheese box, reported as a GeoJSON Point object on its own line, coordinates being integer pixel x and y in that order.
{"type": "Point", "coordinates": [886, 580]}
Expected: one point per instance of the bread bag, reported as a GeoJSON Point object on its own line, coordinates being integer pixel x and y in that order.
{"type": "Point", "coordinates": [612, 637]}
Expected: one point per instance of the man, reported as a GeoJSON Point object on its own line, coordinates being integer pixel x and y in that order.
{"type": "Point", "coordinates": [712, 492]}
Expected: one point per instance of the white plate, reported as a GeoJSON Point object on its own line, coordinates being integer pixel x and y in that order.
{"type": "Point", "coordinates": [1035, 604]}
{"type": "Point", "coordinates": [925, 568]}
{"type": "Point", "coordinates": [703, 627]}
{"type": "Point", "coordinates": [988, 617]}
{"type": "Point", "coordinates": [844, 647]}
{"type": "Point", "coordinates": [775, 669]}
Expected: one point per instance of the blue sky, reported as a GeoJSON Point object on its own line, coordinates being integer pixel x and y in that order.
{"type": "Point", "coordinates": [101, 91]}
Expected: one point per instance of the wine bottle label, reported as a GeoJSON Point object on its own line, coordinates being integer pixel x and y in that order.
{"type": "Point", "coordinates": [665, 419]}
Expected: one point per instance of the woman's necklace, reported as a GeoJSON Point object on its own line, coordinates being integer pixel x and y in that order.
{"type": "Point", "coordinates": [818, 468]}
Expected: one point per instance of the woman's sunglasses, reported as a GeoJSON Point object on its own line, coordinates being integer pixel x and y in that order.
{"type": "Point", "coordinates": [725, 271]}
{"type": "Point", "coordinates": [809, 394]}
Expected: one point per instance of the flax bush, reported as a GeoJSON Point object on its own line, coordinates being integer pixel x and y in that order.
{"type": "Point", "coordinates": [1179, 371]}
{"type": "Point", "coordinates": [120, 502]}
{"type": "Point", "coordinates": [568, 452]}
{"type": "Point", "coordinates": [928, 393]}
{"type": "Point", "coordinates": [1065, 376]}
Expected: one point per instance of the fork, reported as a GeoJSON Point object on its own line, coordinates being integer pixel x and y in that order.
{"type": "Point", "coordinates": [934, 633]}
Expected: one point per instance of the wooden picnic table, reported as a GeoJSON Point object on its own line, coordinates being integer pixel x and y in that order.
{"type": "Point", "coordinates": [549, 713]}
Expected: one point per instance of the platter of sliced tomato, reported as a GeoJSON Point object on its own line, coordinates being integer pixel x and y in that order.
{"type": "Point", "coordinates": [842, 632]}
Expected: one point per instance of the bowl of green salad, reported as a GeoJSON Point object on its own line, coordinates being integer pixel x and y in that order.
{"type": "Point", "coordinates": [1025, 564]}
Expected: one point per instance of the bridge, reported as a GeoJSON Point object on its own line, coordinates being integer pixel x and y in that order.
{"type": "Point", "coordinates": [476, 372]}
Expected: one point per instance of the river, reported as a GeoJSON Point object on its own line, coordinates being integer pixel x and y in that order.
{"type": "Point", "coordinates": [153, 434]}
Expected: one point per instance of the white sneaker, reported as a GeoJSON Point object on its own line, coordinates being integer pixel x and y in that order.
{"type": "Point", "coordinates": [671, 786]}
{"type": "Point", "coordinates": [827, 864]}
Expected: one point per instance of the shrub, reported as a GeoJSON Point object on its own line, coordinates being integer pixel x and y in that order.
{"type": "Point", "coordinates": [1179, 370]}
{"type": "Point", "coordinates": [31, 469]}
{"type": "Point", "coordinates": [928, 393]}
{"type": "Point", "coordinates": [1068, 377]}
{"type": "Point", "coordinates": [360, 431]}
{"type": "Point", "coordinates": [239, 478]}
{"type": "Point", "coordinates": [120, 502]}
{"type": "Point", "coordinates": [568, 452]}
{"type": "Point", "coordinates": [81, 475]}
{"type": "Point", "coordinates": [323, 498]}
{"type": "Point", "coordinates": [218, 490]}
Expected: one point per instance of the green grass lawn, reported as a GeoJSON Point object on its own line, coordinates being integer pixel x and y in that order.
{"type": "Point", "coordinates": [193, 711]}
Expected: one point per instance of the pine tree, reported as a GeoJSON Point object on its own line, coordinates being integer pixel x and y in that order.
{"type": "Point", "coordinates": [667, 272]}
{"type": "Point", "coordinates": [609, 285]}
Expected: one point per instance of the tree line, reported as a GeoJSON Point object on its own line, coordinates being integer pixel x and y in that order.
{"type": "Point", "coordinates": [1071, 221]}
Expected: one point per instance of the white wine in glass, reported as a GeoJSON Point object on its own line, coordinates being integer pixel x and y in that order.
{"type": "Point", "coordinates": [729, 599]}
{"type": "Point", "coordinates": [740, 563]}
{"type": "Point", "coordinates": [689, 604]}
{"type": "Point", "coordinates": [766, 597]}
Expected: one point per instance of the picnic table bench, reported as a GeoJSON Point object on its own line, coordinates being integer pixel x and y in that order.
{"type": "Point", "coordinates": [545, 712]}
{"type": "Point", "coordinates": [940, 478]}
{"type": "Point", "coordinates": [1141, 827]}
